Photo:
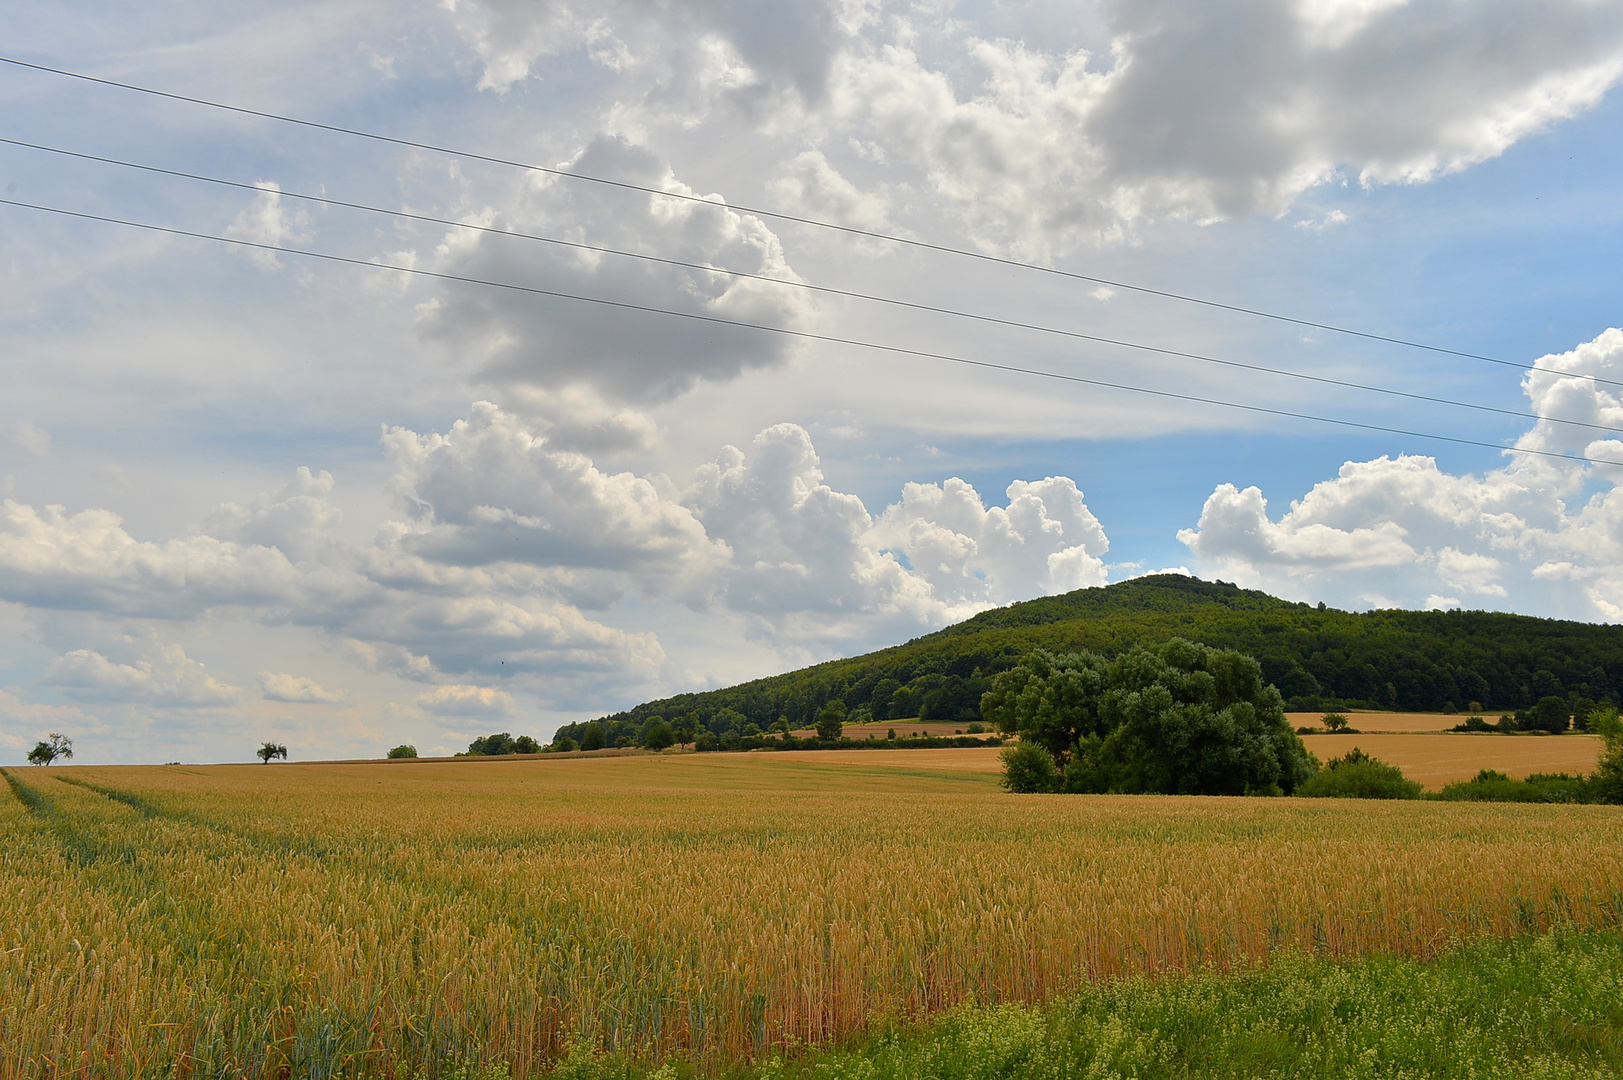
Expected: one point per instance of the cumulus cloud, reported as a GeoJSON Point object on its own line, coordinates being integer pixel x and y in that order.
{"type": "Point", "coordinates": [1208, 110]}
{"type": "Point", "coordinates": [809, 559]}
{"type": "Point", "coordinates": [169, 678]}
{"type": "Point", "coordinates": [295, 689]}
{"type": "Point", "coordinates": [528, 341]}
{"type": "Point", "coordinates": [1540, 534]}
{"type": "Point", "coordinates": [22, 722]}
{"type": "Point", "coordinates": [753, 47]}
{"type": "Point", "coordinates": [465, 701]}
{"type": "Point", "coordinates": [1199, 109]}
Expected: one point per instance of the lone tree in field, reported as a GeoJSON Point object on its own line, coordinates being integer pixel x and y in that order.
{"type": "Point", "coordinates": [271, 750]}
{"type": "Point", "coordinates": [831, 721]}
{"type": "Point", "coordinates": [53, 746]}
{"type": "Point", "coordinates": [1334, 722]}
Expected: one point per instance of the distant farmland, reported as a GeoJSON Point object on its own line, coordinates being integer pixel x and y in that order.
{"type": "Point", "coordinates": [312, 920]}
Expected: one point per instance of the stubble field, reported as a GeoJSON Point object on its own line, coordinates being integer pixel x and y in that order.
{"type": "Point", "coordinates": [322, 920]}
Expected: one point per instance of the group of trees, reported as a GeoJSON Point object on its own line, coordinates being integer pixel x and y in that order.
{"type": "Point", "coordinates": [1177, 718]}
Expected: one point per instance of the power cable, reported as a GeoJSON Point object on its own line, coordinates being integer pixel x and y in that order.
{"type": "Point", "coordinates": [846, 293]}
{"type": "Point", "coordinates": [849, 230]}
{"type": "Point", "coordinates": [803, 334]}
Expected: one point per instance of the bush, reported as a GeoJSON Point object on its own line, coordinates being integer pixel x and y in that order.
{"type": "Point", "coordinates": [1029, 768]}
{"type": "Point", "coordinates": [1356, 775]}
{"type": "Point", "coordinates": [404, 750]}
{"type": "Point", "coordinates": [1491, 786]}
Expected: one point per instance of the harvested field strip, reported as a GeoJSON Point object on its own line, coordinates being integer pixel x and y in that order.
{"type": "Point", "coordinates": [337, 920]}
{"type": "Point", "coordinates": [1436, 760]}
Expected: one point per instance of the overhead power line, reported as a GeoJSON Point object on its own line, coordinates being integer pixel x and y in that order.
{"type": "Point", "coordinates": [849, 230]}
{"type": "Point", "coordinates": [807, 335]}
{"type": "Point", "coordinates": [831, 291]}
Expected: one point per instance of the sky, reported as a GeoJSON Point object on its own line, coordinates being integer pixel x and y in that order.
{"type": "Point", "coordinates": [408, 493]}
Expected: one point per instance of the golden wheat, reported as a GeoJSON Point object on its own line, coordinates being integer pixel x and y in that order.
{"type": "Point", "coordinates": [386, 919]}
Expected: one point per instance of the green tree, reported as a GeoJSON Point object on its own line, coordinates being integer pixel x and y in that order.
{"type": "Point", "coordinates": [491, 745]}
{"type": "Point", "coordinates": [657, 734]}
{"type": "Point", "coordinates": [1179, 718]}
{"type": "Point", "coordinates": [592, 737]}
{"type": "Point", "coordinates": [1356, 775]}
{"type": "Point", "coordinates": [404, 750]}
{"type": "Point", "coordinates": [563, 744]}
{"type": "Point", "coordinates": [1552, 714]}
{"type": "Point", "coordinates": [1049, 700]}
{"type": "Point", "coordinates": [526, 744]}
{"type": "Point", "coordinates": [831, 720]}
{"type": "Point", "coordinates": [1608, 779]}
{"type": "Point", "coordinates": [54, 745]}
{"type": "Point", "coordinates": [268, 750]}
{"type": "Point", "coordinates": [1334, 722]}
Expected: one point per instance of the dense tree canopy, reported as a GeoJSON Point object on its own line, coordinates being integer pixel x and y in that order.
{"type": "Point", "coordinates": [1179, 719]}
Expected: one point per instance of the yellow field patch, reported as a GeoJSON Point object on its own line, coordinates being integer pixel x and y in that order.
{"type": "Point", "coordinates": [1387, 721]}
{"type": "Point", "coordinates": [239, 920]}
{"type": "Point", "coordinates": [1436, 760]}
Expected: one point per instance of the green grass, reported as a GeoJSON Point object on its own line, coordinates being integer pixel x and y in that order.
{"type": "Point", "coordinates": [1532, 1007]}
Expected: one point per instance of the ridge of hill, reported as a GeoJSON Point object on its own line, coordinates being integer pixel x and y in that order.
{"type": "Point", "coordinates": [1318, 657]}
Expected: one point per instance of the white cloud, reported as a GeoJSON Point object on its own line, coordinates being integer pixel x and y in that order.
{"type": "Point", "coordinates": [32, 438]}
{"type": "Point", "coordinates": [1529, 536]}
{"type": "Point", "coordinates": [169, 678]}
{"type": "Point", "coordinates": [23, 722]}
{"type": "Point", "coordinates": [465, 701]}
{"type": "Point", "coordinates": [267, 220]}
{"type": "Point", "coordinates": [524, 340]}
{"type": "Point", "coordinates": [296, 689]}
{"type": "Point", "coordinates": [1209, 110]}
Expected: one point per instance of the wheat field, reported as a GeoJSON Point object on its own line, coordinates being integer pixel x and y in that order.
{"type": "Point", "coordinates": [391, 920]}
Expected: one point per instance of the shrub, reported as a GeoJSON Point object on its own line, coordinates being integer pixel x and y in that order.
{"type": "Point", "coordinates": [1029, 768]}
{"type": "Point", "coordinates": [1356, 775]}
{"type": "Point", "coordinates": [404, 750]}
{"type": "Point", "coordinates": [1492, 786]}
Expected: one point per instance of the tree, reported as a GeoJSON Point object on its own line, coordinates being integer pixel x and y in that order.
{"type": "Point", "coordinates": [831, 720]}
{"type": "Point", "coordinates": [1334, 722]}
{"type": "Point", "coordinates": [526, 744]}
{"type": "Point", "coordinates": [1608, 779]}
{"type": "Point", "coordinates": [1552, 714]}
{"type": "Point", "coordinates": [657, 734]}
{"type": "Point", "coordinates": [268, 750]}
{"type": "Point", "coordinates": [491, 745]}
{"type": "Point", "coordinates": [563, 744]}
{"type": "Point", "coordinates": [1049, 700]}
{"type": "Point", "coordinates": [53, 746]}
{"type": "Point", "coordinates": [1177, 719]}
{"type": "Point", "coordinates": [404, 750]}
{"type": "Point", "coordinates": [592, 738]}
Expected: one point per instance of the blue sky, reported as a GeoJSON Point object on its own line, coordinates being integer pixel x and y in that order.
{"type": "Point", "coordinates": [251, 496]}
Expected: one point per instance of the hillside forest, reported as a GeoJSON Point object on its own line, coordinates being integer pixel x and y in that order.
{"type": "Point", "coordinates": [1318, 658]}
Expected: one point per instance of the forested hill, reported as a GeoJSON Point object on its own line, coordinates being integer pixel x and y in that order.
{"type": "Point", "coordinates": [1318, 657]}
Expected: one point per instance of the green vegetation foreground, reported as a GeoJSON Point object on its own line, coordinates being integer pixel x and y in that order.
{"type": "Point", "coordinates": [391, 920]}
